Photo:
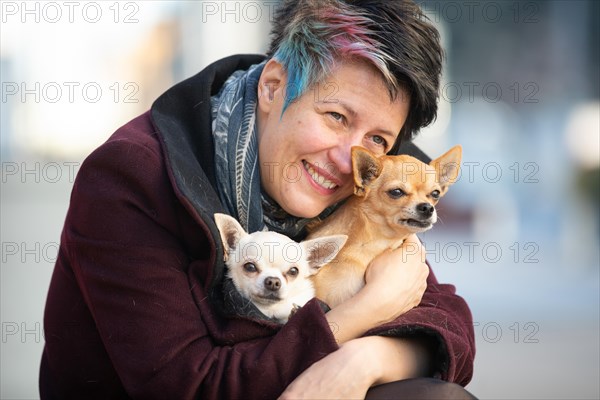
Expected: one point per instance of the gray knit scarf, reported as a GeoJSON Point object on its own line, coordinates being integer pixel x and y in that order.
{"type": "Point", "coordinates": [236, 158]}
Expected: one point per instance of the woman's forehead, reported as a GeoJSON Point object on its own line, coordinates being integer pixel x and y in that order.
{"type": "Point", "coordinates": [359, 89]}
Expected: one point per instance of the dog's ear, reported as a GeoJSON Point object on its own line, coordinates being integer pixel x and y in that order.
{"type": "Point", "coordinates": [323, 250]}
{"type": "Point", "coordinates": [365, 168]}
{"type": "Point", "coordinates": [447, 167]}
{"type": "Point", "coordinates": [231, 232]}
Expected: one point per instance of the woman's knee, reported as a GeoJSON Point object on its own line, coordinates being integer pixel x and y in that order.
{"type": "Point", "coordinates": [419, 388]}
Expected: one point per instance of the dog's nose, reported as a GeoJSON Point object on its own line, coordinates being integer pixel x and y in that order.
{"type": "Point", "coordinates": [425, 209]}
{"type": "Point", "coordinates": [272, 283]}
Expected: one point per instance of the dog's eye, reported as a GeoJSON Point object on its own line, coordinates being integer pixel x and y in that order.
{"type": "Point", "coordinates": [435, 194]}
{"type": "Point", "coordinates": [293, 271]}
{"type": "Point", "coordinates": [396, 193]}
{"type": "Point", "coordinates": [250, 267]}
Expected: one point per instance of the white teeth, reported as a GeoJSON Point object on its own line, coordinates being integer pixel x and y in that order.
{"type": "Point", "coordinates": [320, 179]}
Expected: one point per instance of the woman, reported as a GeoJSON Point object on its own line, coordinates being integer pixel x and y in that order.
{"type": "Point", "coordinates": [138, 306]}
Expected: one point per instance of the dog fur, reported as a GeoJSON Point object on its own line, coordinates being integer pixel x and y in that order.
{"type": "Point", "coordinates": [394, 196]}
{"type": "Point", "coordinates": [270, 269]}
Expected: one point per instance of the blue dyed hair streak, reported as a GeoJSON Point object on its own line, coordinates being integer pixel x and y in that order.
{"type": "Point", "coordinates": [310, 36]}
{"type": "Point", "coordinates": [321, 33]}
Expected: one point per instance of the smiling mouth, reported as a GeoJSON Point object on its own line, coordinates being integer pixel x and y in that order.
{"type": "Point", "coordinates": [319, 179]}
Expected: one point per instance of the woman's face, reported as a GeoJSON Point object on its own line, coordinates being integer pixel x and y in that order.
{"type": "Point", "coordinates": [304, 154]}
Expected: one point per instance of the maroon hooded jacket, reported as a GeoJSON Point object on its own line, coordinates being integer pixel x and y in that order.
{"type": "Point", "coordinates": [137, 305]}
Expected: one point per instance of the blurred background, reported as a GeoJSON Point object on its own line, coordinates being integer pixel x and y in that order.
{"type": "Point", "coordinates": [519, 232]}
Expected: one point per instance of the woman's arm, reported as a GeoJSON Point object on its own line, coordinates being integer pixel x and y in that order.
{"type": "Point", "coordinates": [133, 276]}
{"type": "Point", "coordinates": [362, 362]}
{"type": "Point", "coordinates": [435, 338]}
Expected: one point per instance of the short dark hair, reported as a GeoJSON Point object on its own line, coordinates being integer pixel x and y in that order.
{"type": "Point", "coordinates": [393, 35]}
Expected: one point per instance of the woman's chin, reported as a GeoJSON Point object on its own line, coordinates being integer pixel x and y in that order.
{"type": "Point", "coordinates": [304, 210]}
{"type": "Point", "coordinates": [304, 214]}
{"type": "Point", "coordinates": [308, 204]}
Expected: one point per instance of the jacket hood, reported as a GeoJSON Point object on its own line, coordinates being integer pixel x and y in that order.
{"type": "Point", "coordinates": [183, 120]}
{"type": "Point", "coordinates": [182, 117]}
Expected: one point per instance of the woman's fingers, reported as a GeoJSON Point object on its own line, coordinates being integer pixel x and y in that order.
{"type": "Point", "coordinates": [398, 278]}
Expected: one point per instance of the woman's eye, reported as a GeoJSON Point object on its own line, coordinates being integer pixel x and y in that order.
{"type": "Point", "coordinates": [378, 140]}
{"type": "Point", "coordinates": [336, 116]}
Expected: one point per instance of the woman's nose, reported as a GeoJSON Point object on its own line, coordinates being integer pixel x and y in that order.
{"type": "Point", "coordinates": [341, 156]}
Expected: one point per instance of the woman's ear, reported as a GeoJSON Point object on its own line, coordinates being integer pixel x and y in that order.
{"type": "Point", "coordinates": [271, 85]}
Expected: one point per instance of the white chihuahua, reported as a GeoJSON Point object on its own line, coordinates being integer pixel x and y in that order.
{"type": "Point", "coordinates": [270, 269]}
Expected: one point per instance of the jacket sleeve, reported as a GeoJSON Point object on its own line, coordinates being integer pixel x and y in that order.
{"type": "Point", "coordinates": [445, 320]}
{"type": "Point", "coordinates": [124, 244]}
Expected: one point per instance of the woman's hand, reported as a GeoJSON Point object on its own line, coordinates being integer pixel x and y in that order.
{"type": "Point", "coordinates": [346, 373]}
{"type": "Point", "coordinates": [397, 279]}
{"type": "Point", "coordinates": [349, 372]}
{"type": "Point", "coordinates": [395, 283]}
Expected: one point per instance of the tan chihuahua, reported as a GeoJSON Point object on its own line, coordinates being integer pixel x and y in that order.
{"type": "Point", "coordinates": [395, 196]}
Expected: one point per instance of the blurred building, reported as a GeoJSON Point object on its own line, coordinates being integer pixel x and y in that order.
{"type": "Point", "coordinates": [516, 74]}
{"type": "Point", "coordinates": [6, 111]}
